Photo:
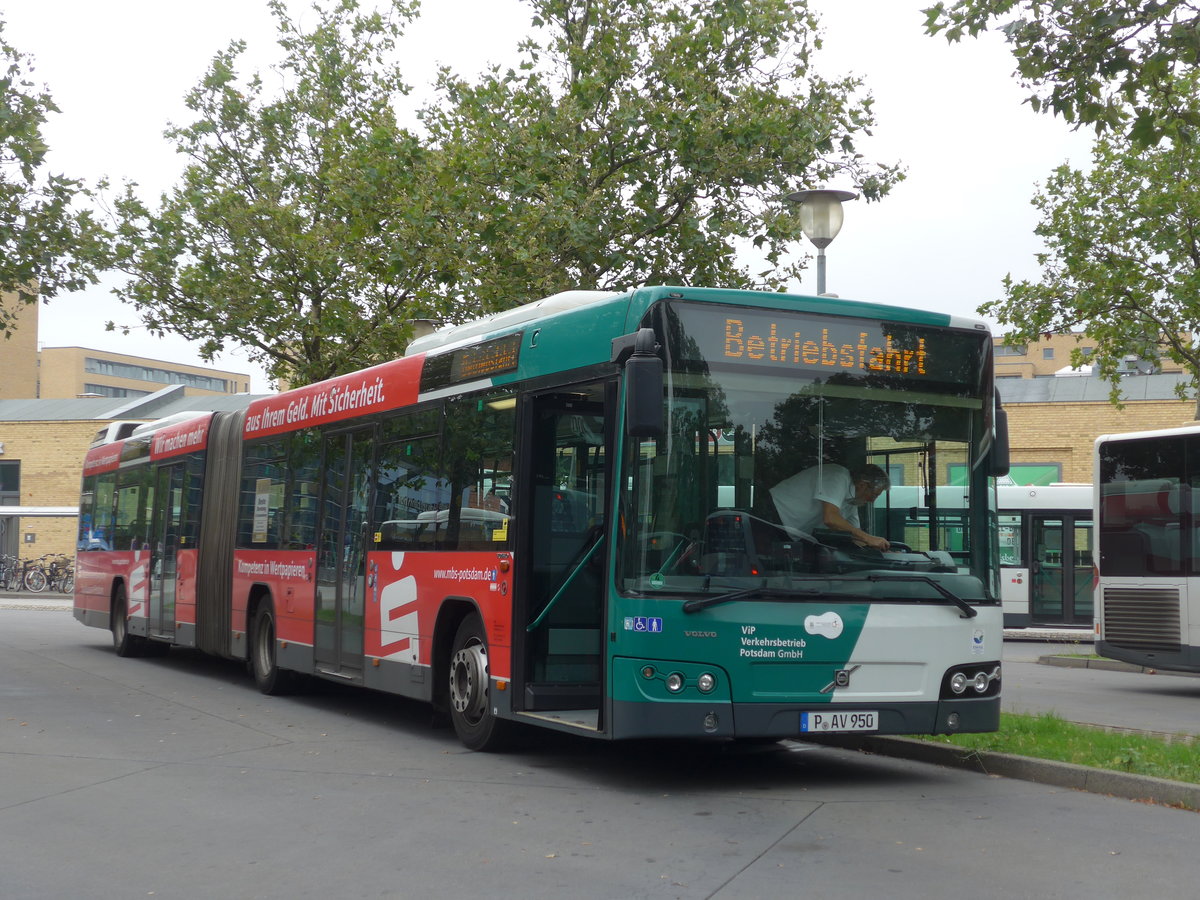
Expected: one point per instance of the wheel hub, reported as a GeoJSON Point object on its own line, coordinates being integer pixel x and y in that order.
{"type": "Point", "coordinates": [468, 681]}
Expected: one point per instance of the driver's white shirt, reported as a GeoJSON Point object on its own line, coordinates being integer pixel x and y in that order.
{"type": "Point", "coordinates": [798, 499]}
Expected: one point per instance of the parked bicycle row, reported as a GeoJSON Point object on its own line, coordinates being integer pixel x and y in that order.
{"type": "Point", "coordinates": [53, 572]}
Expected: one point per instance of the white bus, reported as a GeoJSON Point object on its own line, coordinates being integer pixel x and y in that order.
{"type": "Point", "coordinates": [1045, 533]}
{"type": "Point", "coordinates": [1149, 543]}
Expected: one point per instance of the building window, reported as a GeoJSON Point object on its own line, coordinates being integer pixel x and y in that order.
{"type": "Point", "coordinates": [1015, 350]}
{"type": "Point", "coordinates": [1047, 353]}
{"type": "Point", "coordinates": [10, 482]}
{"type": "Point", "coordinates": [136, 372]}
{"type": "Point", "coordinates": [107, 390]}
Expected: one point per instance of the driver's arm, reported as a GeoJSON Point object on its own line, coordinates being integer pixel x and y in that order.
{"type": "Point", "coordinates": [834, 520]}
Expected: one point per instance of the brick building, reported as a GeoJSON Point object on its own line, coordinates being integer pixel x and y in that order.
{"type": "Point", "coordinates": [18, 352]}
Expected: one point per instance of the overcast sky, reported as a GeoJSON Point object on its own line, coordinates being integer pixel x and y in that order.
{"type": "Point", "coordinates": [953, 115]}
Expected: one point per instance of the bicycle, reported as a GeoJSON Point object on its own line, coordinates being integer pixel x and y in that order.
{"type": "Point", "coordinates": [11, 573]}
{"type": "Point", "coordinates": [34, 575]}
{"type": "Point", "coordinates": [60, 574]}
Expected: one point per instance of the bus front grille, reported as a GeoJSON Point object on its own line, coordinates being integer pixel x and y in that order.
{"type": "Point", "coordinates": [1142, 618]}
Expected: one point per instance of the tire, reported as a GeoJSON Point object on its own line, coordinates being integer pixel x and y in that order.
{"type": "Point", "coordinates": [471, 711]}
{"type": "Point", "coordinates": [35, 580]}
{"type": "Point", "coordinates": [127, 645]}
{"type": "Point", "coordinates": [68, 583]}
{"type": "Point", "coordinates": [271, 679]}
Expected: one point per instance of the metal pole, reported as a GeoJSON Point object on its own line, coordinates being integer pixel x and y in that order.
{"type": "Point", "coordinates": [820, 270]}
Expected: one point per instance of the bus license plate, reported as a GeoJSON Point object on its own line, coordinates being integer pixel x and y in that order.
{"type": "Point", "coordinates": [839, 721]}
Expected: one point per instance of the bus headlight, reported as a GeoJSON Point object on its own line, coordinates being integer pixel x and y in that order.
{"type": "Point", "coordinates": [981, 679]}
{"type": "Point", "coordinates": [706, 682]}
{"type": "Point", "coordinates": [674, 682]}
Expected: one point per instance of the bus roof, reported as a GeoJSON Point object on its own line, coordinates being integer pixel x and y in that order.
{"type": "Point", "coordinates": [1179, 431]}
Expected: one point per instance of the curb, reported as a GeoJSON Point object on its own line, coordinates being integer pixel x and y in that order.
{"type": "Point", "coordinates": [1178, 794]}
{"type": "Point", "coordinates": [1107, 665]}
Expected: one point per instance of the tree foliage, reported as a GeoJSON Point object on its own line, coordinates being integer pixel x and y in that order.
{"type": "Point", "coordinates": [1113, 64]}
{"type": "Point", "coordinates": [298, 227]}
{"type": "Point", "coordinates": [638, 141]}
{"type": "Point", "coordinates": [47, 243]}
{"type": "Point", "coordinates": [1122, 258]}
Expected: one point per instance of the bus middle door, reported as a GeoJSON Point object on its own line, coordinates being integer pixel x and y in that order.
{"type": "Point", "coordinates": [164, 548]}
{"type": "Point", "coordinates": [341, 555]}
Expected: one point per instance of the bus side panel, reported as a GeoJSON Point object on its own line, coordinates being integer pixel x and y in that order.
{"type": "Point", "coordinates": [406, 590]}
{"type": "Point", "coordinates": [1014, 595]}
{"type": "Point", "coordinates": [185, 588]}
{"type": "Point", "coordinates": [94, 573]}
{"type": "Point", "coordinates": [136, 564]}
{"type": "Point", "coordinates": [288, 575]}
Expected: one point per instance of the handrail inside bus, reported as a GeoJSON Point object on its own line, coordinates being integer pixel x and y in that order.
{"type": "Point", "coordinates": [533, 626]}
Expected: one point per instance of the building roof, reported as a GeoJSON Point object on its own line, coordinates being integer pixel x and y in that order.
{"type": "Point", "coordinates": [161, 403]}
{"type": "Point", "coordinates": [1088, 389]}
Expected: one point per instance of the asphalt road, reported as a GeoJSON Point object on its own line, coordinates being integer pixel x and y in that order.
{"type": "Point", "coordinates": [1162, 703]}
{"type": "Point", "coordinates": [175, 778]}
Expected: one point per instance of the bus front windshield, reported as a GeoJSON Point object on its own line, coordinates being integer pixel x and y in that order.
{"type": "Point", "coordinates": [713, 505]}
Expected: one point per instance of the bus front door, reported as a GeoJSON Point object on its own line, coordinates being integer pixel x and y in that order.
{"type": "Point", "coordinates": [164, 549]}
{"type": "Point", "coordinates": [565, 551]}
{"type": "Point", "coordinates": [341, 540]}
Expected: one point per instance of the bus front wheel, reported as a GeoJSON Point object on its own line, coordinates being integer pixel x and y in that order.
{"type": "Point", "coordinates": [470, 704]}
{"type": "Point", "coordinates": [270, 679]}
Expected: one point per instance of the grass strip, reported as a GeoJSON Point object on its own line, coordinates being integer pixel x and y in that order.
{"type": "Point", "coordinates": [1046, 736]}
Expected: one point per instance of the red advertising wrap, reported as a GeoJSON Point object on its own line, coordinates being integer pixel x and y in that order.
{"type": "Point", "coordinates": [378, 389]}
{"type": "Point", "coordinates": [103, 459]}
{"type": "Point", "coordinates": [185, 437]}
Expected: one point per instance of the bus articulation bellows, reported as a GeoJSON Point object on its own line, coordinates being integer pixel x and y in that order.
{"type": "Point", "coordinates": [561, 516]}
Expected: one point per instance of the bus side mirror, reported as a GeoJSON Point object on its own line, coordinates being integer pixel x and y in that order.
{"type": "Point", "coordinates": [644, 388]}
{"type": "Point", "coordinates": [998, 461]}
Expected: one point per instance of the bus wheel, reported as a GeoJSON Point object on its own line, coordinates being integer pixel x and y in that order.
{"type": "Point", "coordinates": [124, 643]}
{"type": "Point", "coordinates": [267, 674]}
{"type": "Point", "coordinates": [470, 708]}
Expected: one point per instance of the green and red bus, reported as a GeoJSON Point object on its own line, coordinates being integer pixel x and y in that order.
{"type": "Point", "coordinates": [560, 516]}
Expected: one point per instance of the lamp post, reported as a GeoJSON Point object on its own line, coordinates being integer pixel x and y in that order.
{"type": "Point", "coordinates": [821, 220]}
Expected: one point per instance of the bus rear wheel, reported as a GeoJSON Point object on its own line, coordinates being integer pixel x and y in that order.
{"type": "Point", "coordinates": [475, 723]}
{"type": "Point", "coordinates": [270, 679]}
{"type": "Point", "coordinates": [124, 643]}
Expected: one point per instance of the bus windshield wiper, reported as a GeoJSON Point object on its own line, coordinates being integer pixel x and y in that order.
{"type": "Point", "coordinates": [968, 611]}
{"type": "Point", "coordinates": [698, 603]}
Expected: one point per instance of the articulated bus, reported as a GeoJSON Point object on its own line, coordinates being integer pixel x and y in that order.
{"type": "Point", "coordinates": [1148, 504]}
{"type": "Point", "coordinates": [560, 516]}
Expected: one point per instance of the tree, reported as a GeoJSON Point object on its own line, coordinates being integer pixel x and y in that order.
{"type": "Point", "coordinates": [1122, 259]}
{"type": "Point", "coordinates": [47, 244]}
{"type": "Point", "coordinates": [298, 227]}
{"type": "Point", "coordinates": [1112, 64]}
{"type": "Point", "coordinates": [639, 141]}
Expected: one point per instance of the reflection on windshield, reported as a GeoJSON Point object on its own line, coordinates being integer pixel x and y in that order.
{"type": "Point", "coordinates": [700, 507]}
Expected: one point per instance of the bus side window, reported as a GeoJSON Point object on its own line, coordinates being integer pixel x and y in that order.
{"type": "Point", "coordinates": [410, 489]}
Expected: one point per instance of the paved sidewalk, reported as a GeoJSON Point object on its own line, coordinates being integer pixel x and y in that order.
{"type": "Point", "coordinates": [26, 600]}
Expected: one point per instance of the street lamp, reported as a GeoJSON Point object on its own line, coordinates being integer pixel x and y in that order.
{"type": "Point", "coordinates": [821, 220]}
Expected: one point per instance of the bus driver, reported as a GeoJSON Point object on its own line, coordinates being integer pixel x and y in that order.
{"type": "Point", "coordinates": [828, 496]}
